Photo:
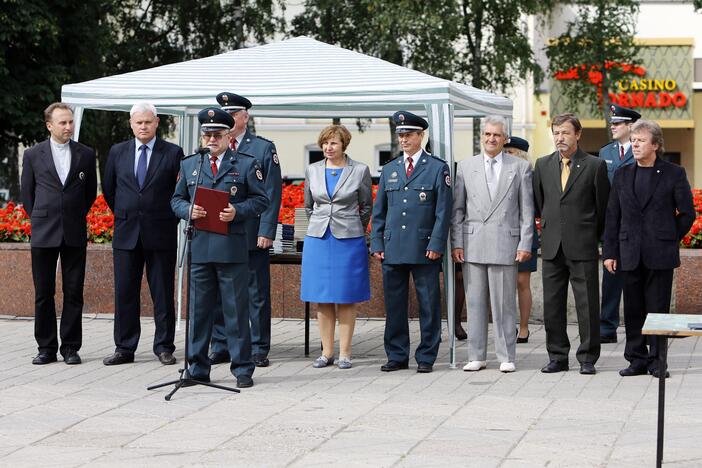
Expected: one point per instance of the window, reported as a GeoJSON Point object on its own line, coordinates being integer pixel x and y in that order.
{"type": "Point", "coordinates": [382, 156]}
{"type": "Point", "coordinates": [313, 154]}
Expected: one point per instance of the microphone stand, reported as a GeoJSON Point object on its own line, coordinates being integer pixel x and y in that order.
{"type": "Point", "coordinates": [185, 380]}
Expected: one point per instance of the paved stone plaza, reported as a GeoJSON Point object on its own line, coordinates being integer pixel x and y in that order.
{"type": "Point", "coordinates": [94, 416]}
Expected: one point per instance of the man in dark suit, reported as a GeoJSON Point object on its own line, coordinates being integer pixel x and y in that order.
{"type": "Point", "coordinates": [219, 270]}
{"type": "Point", "coordinates": [650, 210]}
{"type": "Point", "coordinates": [260, 233]}
{"type": "Point", "coordinates": [616, 154]}
{"type": "Point", "coordinates": [570, 193]}
{"type": "Point", "coordinates": [59, 185]}
{"type": "Point", "coordinates": [139, 181]}
{"type": "Point", "coordinates": [411, 219]}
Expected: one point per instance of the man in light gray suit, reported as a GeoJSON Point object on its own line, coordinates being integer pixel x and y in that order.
{"type": "Point", "coordinates": [491, 230]}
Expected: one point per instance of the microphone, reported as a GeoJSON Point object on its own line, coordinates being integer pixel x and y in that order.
{"type": "Point", "coordinates": [201, 152]}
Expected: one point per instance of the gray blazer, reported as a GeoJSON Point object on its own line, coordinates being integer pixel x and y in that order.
{"type": "Point", "coordinates": [491, 232]}
{"type": "Point", "coordinates": [348, 210]}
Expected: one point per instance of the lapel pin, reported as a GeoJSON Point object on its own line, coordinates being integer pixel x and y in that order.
{"type": "Point", "coordinates": [81, 175]}
{"type": "Point", "coordinates": [194, 173]}
{"type": "Point", "coordinates": [424, 160]}
{"type": "Point", "coordinates": [658, 171]}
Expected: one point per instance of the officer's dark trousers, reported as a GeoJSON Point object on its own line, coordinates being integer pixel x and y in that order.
{"type": "Point", "coordinates": [396, 289]}
{"type": "Point", "coordinates": [44, 276]}
{"type": "Point", "coordinates": [612, 286]}
{"type": "Point", "coordinates": [645, 292]}
{"type": "Point", "coordinates": [160, 273]}
{"type": "Point", "coordinates": [584, 279]}
{"type": "Point", "coordinates": [259, 307]}
{"type": "Point", "coordinates": [215, 284]}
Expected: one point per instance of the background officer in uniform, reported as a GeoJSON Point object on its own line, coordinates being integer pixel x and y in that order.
{"type": "Point", "coordinates": [410, 227]}
{"type": "Point", "coordinates": [260, 232]}
{"type": "Point", "coordinates": [219, 262]}
{"type": "Point", "coordinates": [616, 154]}
{"type": "Point", "coordinates": [59, 184]}
{"type": "Point", "coordinates": [139, 181]}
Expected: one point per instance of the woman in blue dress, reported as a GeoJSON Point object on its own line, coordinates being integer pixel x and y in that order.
{"type": "Point", "coordinates": [519, 147]}
{"type": "Point", "coordinates": [338, 202]}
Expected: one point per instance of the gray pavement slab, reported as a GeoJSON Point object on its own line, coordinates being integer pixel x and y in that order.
{"type": "Point", "coordinates": [92, 415]}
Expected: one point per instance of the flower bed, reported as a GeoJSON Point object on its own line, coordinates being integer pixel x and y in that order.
{"type": "Point", "coordinates": [693, 239]}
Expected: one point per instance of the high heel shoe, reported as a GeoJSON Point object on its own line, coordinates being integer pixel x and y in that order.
{"type": "Point", "coordinates": [524, 339]}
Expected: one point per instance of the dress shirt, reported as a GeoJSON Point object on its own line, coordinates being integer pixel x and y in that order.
{"type": "Point", "coordinates": [415, 158]}
{"type": "Point", "coordinates": [61, 154]}
{"type": "Point", "coordinates": [219, 159]}
{"type": "Point", "coordinates": [137, 152]}
{"type": "Point", "coordinates": [626, 146]}
{"type": "Point", "coordinates": [498, 170]}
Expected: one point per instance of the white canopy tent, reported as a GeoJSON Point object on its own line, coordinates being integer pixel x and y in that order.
{"type": "Point", "coordinates": [299, 77]}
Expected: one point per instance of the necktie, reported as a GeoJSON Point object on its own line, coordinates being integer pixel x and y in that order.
{"type": "Point", "coordinates": [565, 172]}
{"type": "Point", "coordinates": [621, 153]}
{"type": "Point", "coordinates": [410, 168]}
{"type": "Point", "coordinates": [491, 177]}
{"type": "Point", "coordinates": [232, 144]}
{"type": "Point", "coordinates": [141, 166]}
{"type": "Point", "coordinates": [213, 165]}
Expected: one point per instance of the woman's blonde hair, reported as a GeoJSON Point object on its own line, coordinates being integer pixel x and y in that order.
{"type": "Point", "coordinates": [335, 130]}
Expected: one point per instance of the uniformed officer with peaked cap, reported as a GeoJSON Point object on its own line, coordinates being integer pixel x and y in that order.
{"type": "Point", "coordinates": [219, 262]}
{"type": "Point", "coordinates": [616, 154]}
{"type": "Point", "coordinates": [411, 218]}
{"type": "Point", "coordinates": [260, 232]}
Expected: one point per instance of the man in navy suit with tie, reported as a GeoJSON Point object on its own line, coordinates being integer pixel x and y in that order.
{"type": "Point", "coordinates": [616, 154]}
{"type": "Point", "coordinates": [260, 233]}
{"type": "Point", "coordinates": [139, 181]}
{"type": "Point", "coordinates": [411, 218]}
{"type": "Point", "coordinates": [59, 184]}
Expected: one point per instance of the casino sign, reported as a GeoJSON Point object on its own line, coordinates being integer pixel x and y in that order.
{"type": "Point", "coordinates": [660, 87]}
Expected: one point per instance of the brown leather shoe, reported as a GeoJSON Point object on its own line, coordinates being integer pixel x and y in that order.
{"type": "Point", "coordinates": [166, 358]}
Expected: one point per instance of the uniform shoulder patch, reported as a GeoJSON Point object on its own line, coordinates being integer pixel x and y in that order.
{"type": "Point", "coordinates": [275, 159]}
{"type": "Point", "coordinates": [259, 173]}
{"type": "Point", "coordinates": [447, 178]}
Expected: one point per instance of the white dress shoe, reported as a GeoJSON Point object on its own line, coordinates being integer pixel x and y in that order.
{"type": "Point", "coordinates": [507, 367]}
{"type": "Point", "coordinates": [473, 366]}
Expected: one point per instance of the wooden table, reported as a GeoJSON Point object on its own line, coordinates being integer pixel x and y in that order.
{"type": "Point", "coordinates": [663, 326]}
{"type": "Point", "coordinates": [295, 259]}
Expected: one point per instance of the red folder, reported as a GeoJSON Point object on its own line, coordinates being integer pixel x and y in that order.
{"type": "Point", "coordinates": [213, 201]}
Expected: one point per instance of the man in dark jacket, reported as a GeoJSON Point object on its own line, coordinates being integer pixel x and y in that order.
{"type": "Point", "coordinates": [59, 185]}
{"type": "Point", "coordinates": [139, 181]}
{"type": "Point", "coordinates": [570, 193]}
{"type": "Point", "coordinates": [650, 210]}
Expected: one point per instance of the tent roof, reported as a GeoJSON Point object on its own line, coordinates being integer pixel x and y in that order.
{"type": "Point", "coordinates": [298, 77]}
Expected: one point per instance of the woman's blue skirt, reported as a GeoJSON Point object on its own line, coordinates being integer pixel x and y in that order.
{"type": "Point", "coordinates": [335, 270]}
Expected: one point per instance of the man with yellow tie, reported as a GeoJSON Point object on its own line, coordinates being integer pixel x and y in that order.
{"type": "Point", "coordinates": [571, 190]}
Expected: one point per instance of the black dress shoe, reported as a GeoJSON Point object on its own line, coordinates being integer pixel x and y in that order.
{"type": "Point", "coordinates": [632, 371]}
{"type": "Point", "coordinates": [118, 358]}
{"type": "Point", "coordinates": [424, 368]}
{"type": "Point", "coordinates": [608, 339]}
{"type": "Point", "coordinates": [218, 358]}
{"type": "Point", "coordinates": [587, 368]}
{"type": "Point", "coordinates": [260, 360]}
{"type": "Point", "coordinates": [525, 339]}
{"type": "Point", "coordinates": [44, 358]}
{"type": "Point", "coordinates": [391, 366]}
{"type": "Point", "coordinates": [244, 381]}
{"type": "Point", "coordinates": [555, 366]}
{"type": "Point", "coordinates": [188, 380]}
{"type": "Point", "coordinates": [460, 333]}
{"type": "Point", "coordinates": [71, 357]}
{"type": "Point", "coordinates": [654, 372]}
{"type": "Point", "coordinates": [166, 358]}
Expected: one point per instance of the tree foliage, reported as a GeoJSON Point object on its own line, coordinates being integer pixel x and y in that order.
{"type": "Point", "coordinates": [48, 43]}
{"type": "Point", "coordinates": [596, 50]}
{"type": "Point", "coordinates": [483, 43]}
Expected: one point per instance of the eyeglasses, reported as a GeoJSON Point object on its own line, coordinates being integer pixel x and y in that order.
{"type": "Point", "coordinates": [216, 136]}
